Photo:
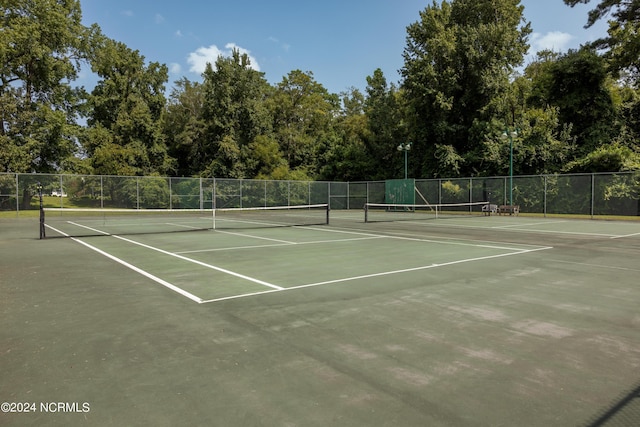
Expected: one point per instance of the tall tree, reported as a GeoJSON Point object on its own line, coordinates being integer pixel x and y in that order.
{"type": "Point", "coordinates": [42, 44]}
{"type": "Point", "coordinates": [457, 64]}
{"type": "Point", "coordinates": [234, 115]}
{"type": "Point", "coordinates": [578, 87]}
{"type": "Point", "coordinates": [125, 134]}
{"type": "Point", "coordinates": [387, 127]}
{"type": "Point", "coordinates": [303, 112]}
{"type": "Point", "coordinates": [184, 126]}
{"type": "Point", "coordinates": [347, 158]}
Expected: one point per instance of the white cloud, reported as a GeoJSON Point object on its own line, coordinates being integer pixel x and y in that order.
{"type": "Point", "coordinates": [127, 13]}
{"type": "Point", "coordinates": [284, 46]}
{"type": "Point", "coordinates": [178, 33]}
{"type": "Point", "coordinates": [198, 60]}
{"type": "Point", "coordinates": [203, 55]}
{"type": "Point", "coordinates": [159, 18]}
{"type": "Point", "coordinates": [175, 68]}
{"type": "Point", "coordinates": [556, 41]}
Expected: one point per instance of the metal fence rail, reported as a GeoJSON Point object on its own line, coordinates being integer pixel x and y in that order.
{"type": "Point", "coordinates": [598, 194]}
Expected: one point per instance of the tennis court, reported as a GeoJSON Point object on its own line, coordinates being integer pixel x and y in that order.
{"type": "Point", "coordinates": [456, 321]}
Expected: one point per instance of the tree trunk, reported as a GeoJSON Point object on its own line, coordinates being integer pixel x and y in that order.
{"type": "Point", "coordinates": [26, 199]}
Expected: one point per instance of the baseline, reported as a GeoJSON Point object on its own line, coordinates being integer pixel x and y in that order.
{"type": "Point", "coordinates": [367, 276]}
{"type": "Point", "coordinates": [427, 224]}
{"type": "Point", "coordinates": [625, 236]}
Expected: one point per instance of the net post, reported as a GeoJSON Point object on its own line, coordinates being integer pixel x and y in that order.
{"type": "Point", "coordinates": [366, 213]}
{"type": "Point", "coordinates": [42, 227]}
{"type": "Point", "coordinates": [328, 209]}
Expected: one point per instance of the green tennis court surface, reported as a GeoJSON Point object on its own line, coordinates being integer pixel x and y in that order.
{"type": "Point", "coordinates": [460, 321]}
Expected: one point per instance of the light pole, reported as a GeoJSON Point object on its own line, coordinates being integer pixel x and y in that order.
{"type": "Point", "coordinates": [405, 147]}
{"type": "Point", "coordinates": [510, 134]}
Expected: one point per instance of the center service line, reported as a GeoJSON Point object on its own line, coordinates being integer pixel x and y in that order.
{"type": "Point", "coordinates": [203, 264]}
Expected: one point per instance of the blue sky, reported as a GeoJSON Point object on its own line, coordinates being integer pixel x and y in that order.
{"type": "Point", "coordinates": [340, 41]}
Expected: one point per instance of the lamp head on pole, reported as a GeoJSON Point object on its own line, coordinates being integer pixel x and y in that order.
{"type": "Point", "coordinates": [512, 134]}
{"type": "Point", "coordinates": [404, 146]}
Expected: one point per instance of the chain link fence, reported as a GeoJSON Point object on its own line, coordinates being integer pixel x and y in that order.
{"type": "Point", "coordinates": [602, 194]}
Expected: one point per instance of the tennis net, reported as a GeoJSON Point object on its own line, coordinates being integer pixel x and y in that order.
{"type": "Point", "coordinates": [79, 222]}
{"type": "Point", "coordinates": [389, 212]}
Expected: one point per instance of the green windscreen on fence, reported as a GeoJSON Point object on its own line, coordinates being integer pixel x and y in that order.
{"type": "Point", "coordinates": [400, 191]}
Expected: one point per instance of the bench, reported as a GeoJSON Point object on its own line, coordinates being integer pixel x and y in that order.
{"type": "Point", "coordinates": [509, 209]}
{"type": "Point", "coordinates": [489, 209]}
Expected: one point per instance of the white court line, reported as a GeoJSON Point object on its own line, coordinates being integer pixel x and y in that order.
{"type": "Point", "coordinates": [241, 296]}
{"type": "Point", "coordinates": [626, 235]}
{"type": "Point", "coordinates": [385, 273]}
{"type": "Point", "coordinates": [475, 245]}
{"type": "Point", "coordinates": [203, 264]}
{"type": "Point", "coordinates": [281, 289]}
{"type": "Point", "coordinates": [522, 230]}
{"type": "Point", "coordinates": [234, 248]}
{"type": "Point", "coordinates": [134, 268]}
{"type": "Point", "coordinates": [406, 270]}
{"type": "Point", "coordinates": [87, 227]}
{"type": "Point", "coordinates": [256, 237]}
{"type": "Point", "coordinates": [184, 226]}
{"type": "Point", "coordinates": [576, 233]}
{"type": "Point", "coordinates": [596, 265]}
{"type": "Point", "coordinates": [527, 224]}
{"type": "Point", "coordinates": [401, 236]}
{"type": "Point", "coordinates": [360, 232]}
{"type": "Point", "coordinates": [366, 236]}
{"type": "Point", "coordinates": [213, 267]}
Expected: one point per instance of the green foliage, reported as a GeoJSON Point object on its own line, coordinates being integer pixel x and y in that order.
{"type": "Point", "coordinates": [303, 112]}
{"type": "Point", "coordinates": [458, 93]}
{"type": "Point", "coordinates": [283, 172]}
{"type": "Point", "coordinates": [233, 115]}
{"type": "Point", "coordinates": [622, 45]}
{"type": "Point", "coordinates": [387, 127]}
{"type": "Point", "coordinates": [457, 63]}
{"type": "Point", "coordinates": [544, 145]}
{"type": "Point", "coordinates": [41, 44]}
{"type": "Point", "coordinates": [265, 155]}
{"type": "Point", "coordinates": [628, 106]}
{"type": "Point", "coordinates": [146, 193]}
{"type": "Point", "coordinates": [347, 156]}
{"type": "Point", "coordinates": [607, 158]}
{"type": "Point", "coordinates": [579, 90]}
{"type": "Point", "coordinates": [449, 161]}
{"type": "Point", "coordinates": [126, 107]}
{"type": "Point", "coordinates": [184, 126]}
{"type": "Point", "coordinates": [455, 191]}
